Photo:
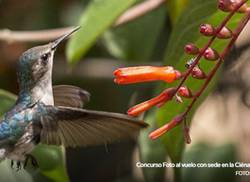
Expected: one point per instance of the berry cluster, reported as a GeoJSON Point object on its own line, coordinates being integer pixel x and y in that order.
{"type": "Point", "coordinates": [169, 74]}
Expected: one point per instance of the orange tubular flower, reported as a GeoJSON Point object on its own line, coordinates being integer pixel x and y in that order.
{"type": "Point", "coordinates": [158, 100]}
{"type": "Point", "coordinates": [145, 74]}
{"type": "Point", "coordinates": [165, 128]}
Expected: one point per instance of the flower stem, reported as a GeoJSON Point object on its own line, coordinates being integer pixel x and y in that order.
{"type": "Point", "coordinates": [197, 59]}
{"type": "Point", "coordinates": [236, 34]}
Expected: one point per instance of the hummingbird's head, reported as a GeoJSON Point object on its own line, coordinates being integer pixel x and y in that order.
{"type": "Point", "coordinates": [36, 63]}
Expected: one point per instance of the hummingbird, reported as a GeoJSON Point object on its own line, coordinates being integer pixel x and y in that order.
{"type": "Point", "coordinates": [54, 115]}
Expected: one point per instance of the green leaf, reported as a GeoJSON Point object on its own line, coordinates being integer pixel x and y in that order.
{"type": "Point", "coordinates": [204, 153]}
{"type": "Point", "coordinates": [137, 39]}
{"type": "Point", "coordinates": [98, 17]}
{"type": "Point", "coordinates": [7, 100]}
{"type": "Point", "coordinates": [50, 158]}
{"type": "Point", "coordinates": [51, 161]}
{"type": "Point", "coordinates": [185, 31]}
{"type": "Point", "coordinates": [151, 152]}
{"type": "Point", "coordinates": [176, 8]}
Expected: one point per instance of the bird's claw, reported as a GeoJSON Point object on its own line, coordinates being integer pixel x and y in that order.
{"type": "Point", "coordinates": [12, 164]}
{"type": "Point", "coordinates": [33, 160]}
{"type": "Point", "coordinates": [19, 164]}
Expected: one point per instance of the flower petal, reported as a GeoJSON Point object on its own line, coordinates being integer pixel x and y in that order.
{"type": "Point", "coordinates": [145, 74]}
{"type": "Point", "coordinates": [165, 128]}
{"type": "Point", "coordinates": [160, 99]}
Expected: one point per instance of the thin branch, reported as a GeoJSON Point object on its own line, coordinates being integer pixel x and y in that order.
{"type": "Point", "coordinates": [47, 35]}
{"type": "Point", "coordinates": [32, 36]}
{"type": "Point", "coordinates": [138, 11]}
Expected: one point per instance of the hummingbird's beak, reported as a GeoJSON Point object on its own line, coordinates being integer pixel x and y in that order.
{"type": "Point", "coordinates": [62, 38]}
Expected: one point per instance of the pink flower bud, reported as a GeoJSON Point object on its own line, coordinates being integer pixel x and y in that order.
{"type": "Point", "coordinates": [225, 33]}
{"type": "Point", "coordinates": [191, 49]}
{"type": "Point", "coordinates": [211, 54]}
{"type": "Point", "coordinates": [231, 5]}
{"type": "Point", "coordinates": [207, 29]}
{"type": "Point", "coordinates": [178, 74]}
{"type": "Point", "coordinates": [198, 73]}
{"type": "Point", "coordinates": [185, 92]}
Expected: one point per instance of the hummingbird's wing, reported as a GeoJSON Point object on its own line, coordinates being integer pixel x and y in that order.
{"type": "Point", "coordinates": [70, 96]}
{"type": "Point", "coordinates": [78, 127]}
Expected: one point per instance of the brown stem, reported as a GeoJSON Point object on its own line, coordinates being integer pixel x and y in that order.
{"type": "Point", "coordinates": [236, 34]}
{"type": "Point", "coordinates": [138, 11]}
{"type": "Point", "coordinates": [47, 35]}
{"type": "Point", "coordinates": [32, 36]}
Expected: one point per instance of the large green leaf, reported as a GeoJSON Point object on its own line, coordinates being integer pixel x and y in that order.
{"type": "Point", "coordinates": [185, 31]}
{"type": "Point", "coordinates": [51, 161]}
{"type": "Point", "coordinates": [151, 152]}
{"type": "Point", "coordinates": [50, 158]}
{"type": "Point", "coordinates": [128, 42]}
{"type": "Point", "coordinates": [98, 17]}
{"type": "Point", "coordinates": [176, 7]}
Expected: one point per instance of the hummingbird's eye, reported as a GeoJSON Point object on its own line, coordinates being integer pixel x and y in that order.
{"type": "Point", "coordinates": [45, 58]}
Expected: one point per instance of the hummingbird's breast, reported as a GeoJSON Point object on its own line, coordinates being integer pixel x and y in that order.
{"type": "Point", "coordinates": [14, 122]}
{"type": "Point", "coordinates": [12, 128]}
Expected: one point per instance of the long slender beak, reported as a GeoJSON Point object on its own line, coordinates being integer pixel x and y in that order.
{"type": "Point", "coordinates": [62, 38]}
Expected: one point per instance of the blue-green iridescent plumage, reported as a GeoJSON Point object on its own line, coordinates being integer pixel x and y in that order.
{"type": "Point", "coordinates": [13, 123]}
